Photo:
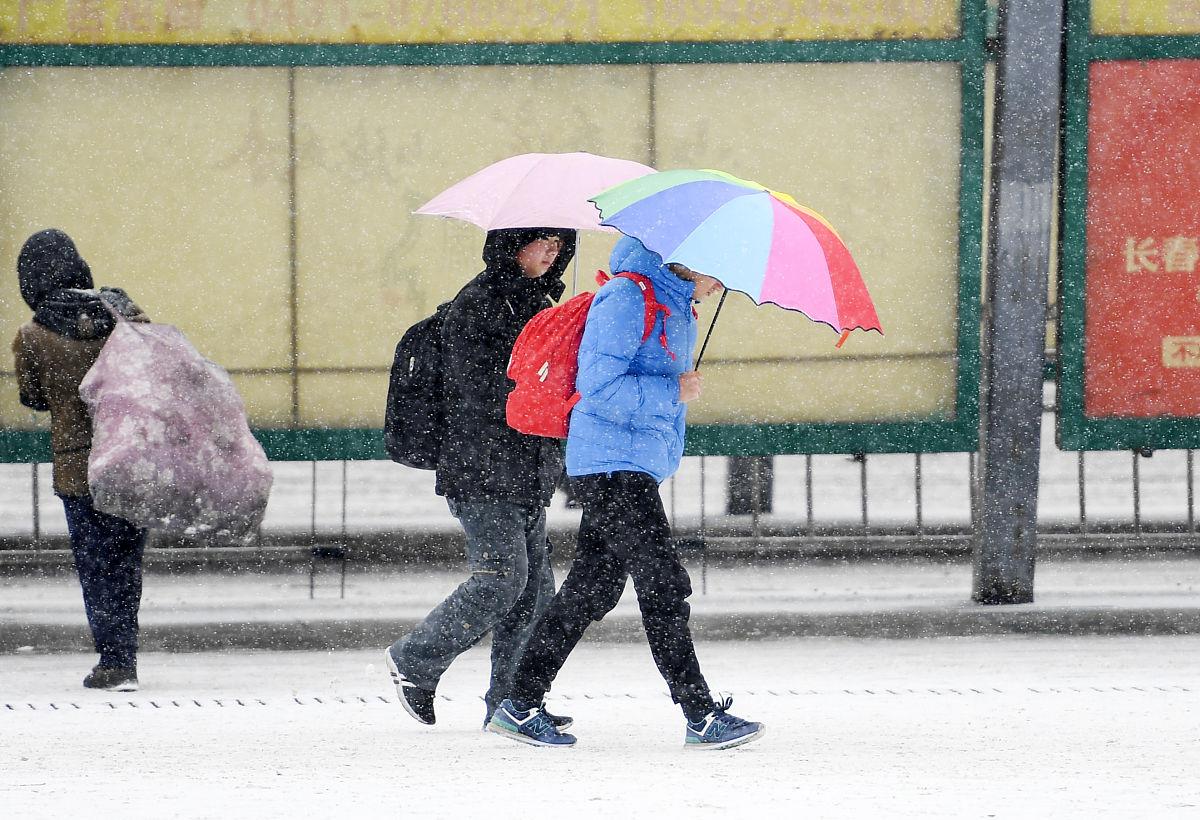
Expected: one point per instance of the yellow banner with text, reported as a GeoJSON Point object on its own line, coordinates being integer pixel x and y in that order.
{"type": "Point", "coordinates": [46, 22]}
{"type": "Point", "coordinates": [1116, 17]}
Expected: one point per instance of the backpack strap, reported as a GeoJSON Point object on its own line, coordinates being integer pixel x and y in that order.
{"type": "Point", "coordinates": [653, 308]}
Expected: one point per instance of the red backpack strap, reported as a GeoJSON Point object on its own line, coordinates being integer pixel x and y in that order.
{"type": "Point", "coordinates": [653, 308]}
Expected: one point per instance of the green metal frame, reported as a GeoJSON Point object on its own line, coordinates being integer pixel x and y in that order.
{"type": "Point", "coordinates": [807, 51]}
{"type": "Point", "coordinates": [1077, 431]}
{"type": "Point", "coordinates": [935, 434]}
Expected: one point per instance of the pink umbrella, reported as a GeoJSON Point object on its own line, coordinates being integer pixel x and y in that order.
{"type": "Point", "coordinates": [535, 190]}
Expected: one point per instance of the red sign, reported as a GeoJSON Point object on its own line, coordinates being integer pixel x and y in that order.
{"type": "Point", "coordinates": [1142, 318]}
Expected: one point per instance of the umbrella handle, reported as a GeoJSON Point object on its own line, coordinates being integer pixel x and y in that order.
{"type": "Point", "coordinates": [724, 293]}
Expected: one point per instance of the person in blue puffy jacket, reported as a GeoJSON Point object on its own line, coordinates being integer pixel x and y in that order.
{"type": "Point", "coordinates": [625, 437]}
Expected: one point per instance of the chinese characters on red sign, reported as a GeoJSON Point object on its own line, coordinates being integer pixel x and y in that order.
{"type": "Point", "coordinates": [1181, 351]}
{"type": "Point", "coordinates": [1175, 254]}
{"type": "Point", "coordinates": [1142, 315]}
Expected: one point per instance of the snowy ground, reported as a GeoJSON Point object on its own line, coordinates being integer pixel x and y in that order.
{"type": "Point", "coordinates": [967, 727]}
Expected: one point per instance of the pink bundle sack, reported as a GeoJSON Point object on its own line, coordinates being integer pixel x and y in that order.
{"type": "Point", "coordinates": [171, 447]}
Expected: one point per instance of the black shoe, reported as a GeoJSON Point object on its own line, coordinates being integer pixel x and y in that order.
{"type": "Point", "coordinates": [112, 678]}
{"type": "Point", "coordinates": [560, 722]}
{"type": "Point", "coordinates": [416, 700]}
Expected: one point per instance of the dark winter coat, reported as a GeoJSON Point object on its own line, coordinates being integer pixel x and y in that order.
{"type": "Point", "coordinates": [55, 351]}
{"type": "Point", "coordinates": [482, 458]}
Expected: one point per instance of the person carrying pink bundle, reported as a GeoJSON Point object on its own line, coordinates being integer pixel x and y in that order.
{"type": "Point", "coordinates": [53, 352]}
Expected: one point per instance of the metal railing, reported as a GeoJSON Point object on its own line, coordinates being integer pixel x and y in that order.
{"type": "Point", "coordinates": [802, 505]}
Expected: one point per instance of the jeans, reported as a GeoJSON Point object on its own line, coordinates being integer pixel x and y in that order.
{"type": "Point", "coordinates": [510, 586]}
{"type": "Point", "coordinates": [624, 533]}
{"type": "Point", "coordinates": [108, 558]}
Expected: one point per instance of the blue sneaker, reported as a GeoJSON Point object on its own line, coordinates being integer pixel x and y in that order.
{"type": "Point", "coordinates": [721, 730]}
{"type": "Point", "coordinates": [527, 725]}
{"type": "Point", "coordinates": [561, 722]}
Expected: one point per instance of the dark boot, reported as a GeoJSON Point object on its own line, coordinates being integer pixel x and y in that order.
{"type": "Point", "coordinates": [112, 678]}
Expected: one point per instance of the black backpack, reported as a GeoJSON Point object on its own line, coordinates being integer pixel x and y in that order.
{"type": "Point", "coordinates": [414, 420]}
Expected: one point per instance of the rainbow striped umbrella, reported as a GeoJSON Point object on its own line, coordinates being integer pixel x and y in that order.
{"type": "Point", "coordinates": [754, 240]}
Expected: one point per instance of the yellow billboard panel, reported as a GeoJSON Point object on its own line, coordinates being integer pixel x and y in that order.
{"type": "Point", "coordinates": [268, 212]}
{"type": "Point", "coordinates": [470, 21]}
{"type": "Point", "coordinates": [13, 414]}
{"type": "Point", "coordinates": [174, 184]}
{"type": "Point", "coordinates": [874, 148]}
{"type": "Point", "coordinates": [342, 399]}
{"type": "Point", "coordinates": [820, 390]}
{"type": "Point", "coordinates": [1114, 17]}
{"type": "Point", "coordinates": [267, 396]}
{"type": "Point", "coordinates": [373, 144]}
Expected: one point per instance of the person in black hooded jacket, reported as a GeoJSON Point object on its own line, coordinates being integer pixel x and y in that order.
{"type": "Point", "coordinates": [53, 352]}
{"type": "Point", "coordinates": [497, 482]}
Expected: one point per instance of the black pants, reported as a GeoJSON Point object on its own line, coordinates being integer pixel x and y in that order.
{"type": "Point", "coordinates": [108, 558]}
{"type": "Point", "coordinates": [624, 533]}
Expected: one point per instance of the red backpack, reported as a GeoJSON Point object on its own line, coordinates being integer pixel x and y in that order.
{"type": "Point", "coordinates": [545, 360]}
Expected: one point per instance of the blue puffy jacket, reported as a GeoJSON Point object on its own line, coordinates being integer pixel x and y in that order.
{"type": "Point", "coordinates": [629, 416]}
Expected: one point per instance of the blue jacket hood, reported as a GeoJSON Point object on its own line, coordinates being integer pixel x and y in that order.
{"type": "Point", "coordinates": [630, 255]}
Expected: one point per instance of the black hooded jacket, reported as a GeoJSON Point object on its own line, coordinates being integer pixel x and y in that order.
{"type": "Point", "coordinates": [482, 458]}
{"type": "Point", "coordinates": [48, 262]}
{"type": "Point", "coordinates": [57, 285]}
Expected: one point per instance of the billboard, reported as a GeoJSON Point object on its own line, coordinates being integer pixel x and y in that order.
{"type": "Point", "coordinates": [470, 21]}
{"type": "Point", "coordinates": [1142, 305]}
{"type": "Point", "coordinates": [1139, 17]}
{"type": "Point", "coordinates": [269, 215]}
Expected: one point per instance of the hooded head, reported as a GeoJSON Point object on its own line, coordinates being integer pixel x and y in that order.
{"type": "Point", "coordinates": [631, 255]}
{"type": "Point", "coordinates": [503, 244]}
{"type": "Point", "coordinates": [49, 262]}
